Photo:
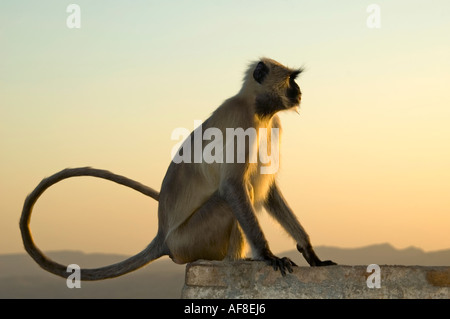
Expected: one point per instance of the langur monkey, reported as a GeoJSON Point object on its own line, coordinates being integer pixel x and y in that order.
{"type": "Point", "coordinates": [207, 210]}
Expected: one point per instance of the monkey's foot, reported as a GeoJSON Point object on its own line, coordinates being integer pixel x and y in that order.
{"type": "Point", "coordinates": [312, 258]}
{"type": "Point", "coordinates": [324, 263]}
{"type": "Point", "coordinates": [280, 263]}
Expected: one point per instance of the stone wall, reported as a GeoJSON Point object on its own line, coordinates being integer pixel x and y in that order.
{"type": "Point", "coordinates": [252, 279]}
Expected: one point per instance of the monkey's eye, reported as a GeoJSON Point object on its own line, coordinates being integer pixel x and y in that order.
{"type": "Point", "coordinates": [291, 78]}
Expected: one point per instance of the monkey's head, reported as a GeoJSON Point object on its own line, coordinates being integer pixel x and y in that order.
{"type": "Point", "coordinates": [274, 87]}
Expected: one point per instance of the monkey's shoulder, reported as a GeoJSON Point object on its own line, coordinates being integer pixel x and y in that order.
{"type": "Point", "coordinates": [233, 113]}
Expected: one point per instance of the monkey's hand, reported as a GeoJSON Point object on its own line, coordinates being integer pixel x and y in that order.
{"type": "Point", "coordinates": [279, 263]}
{"type": "Point", "coordinates": [312, 258]}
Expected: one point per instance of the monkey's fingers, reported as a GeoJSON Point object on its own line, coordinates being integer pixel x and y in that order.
{"type": "Point", "coordinates": [272, 261]}
{"type": "Point", "coordinates": [288, 264]}
{"type": "Point", "coordinates": [292, 263]}
{"type": "Point", "coordinates": [281, 263]}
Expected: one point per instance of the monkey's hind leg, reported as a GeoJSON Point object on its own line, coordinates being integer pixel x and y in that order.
{"type": "Point", "coordinates": [236, 245]}
{"type": "Point", "coordinates": [209, 233]}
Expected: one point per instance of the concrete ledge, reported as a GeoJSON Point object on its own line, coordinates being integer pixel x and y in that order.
{"type": "Point", "coordinates": [255, 280]}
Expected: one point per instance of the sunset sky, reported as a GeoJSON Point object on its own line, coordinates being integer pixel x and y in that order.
{"type": "Point", "coordinates": [367, 161]}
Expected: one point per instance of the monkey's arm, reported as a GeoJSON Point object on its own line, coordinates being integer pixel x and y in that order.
{"type": "Point", "coordinates": [277, 206]}
{"type": "Point", "coordinates": [236, 195]}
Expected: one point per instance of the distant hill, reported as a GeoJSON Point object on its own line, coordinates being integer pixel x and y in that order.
{"type": "Point", "coordinates": [21, 277]}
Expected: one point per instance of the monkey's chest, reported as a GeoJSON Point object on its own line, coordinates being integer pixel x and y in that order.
{"type": "Point", "coordinates": [258, 185]}
{"type": "Point", "coordinates": [263, 169]}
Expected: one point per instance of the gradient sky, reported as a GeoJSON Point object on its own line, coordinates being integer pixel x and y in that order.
{"type": "Point", "coordinates": [366, 162]}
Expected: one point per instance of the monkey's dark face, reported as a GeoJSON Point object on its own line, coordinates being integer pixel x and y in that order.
{"type": "Point", "coordinates": [278, 89]}
{"type": "Point", "coordinates": [293, 92]}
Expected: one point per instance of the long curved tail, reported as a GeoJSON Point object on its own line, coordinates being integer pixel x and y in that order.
{"type": "Point", "coordinates": [153, 251]}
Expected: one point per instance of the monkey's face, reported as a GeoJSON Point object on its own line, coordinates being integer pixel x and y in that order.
{"type": "Point", "coordinates": [293, 92]}
{"type": "Point", "coordinates": [276, 88]}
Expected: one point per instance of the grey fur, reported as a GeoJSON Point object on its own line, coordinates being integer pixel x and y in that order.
{"type": "Point", "coordinates": [206, 210]}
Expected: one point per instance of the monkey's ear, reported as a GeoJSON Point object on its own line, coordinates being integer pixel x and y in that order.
{"type": "Point", "coordinates": [260, 72]}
